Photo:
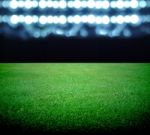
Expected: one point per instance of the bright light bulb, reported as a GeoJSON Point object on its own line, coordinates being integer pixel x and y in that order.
{"type": "Point", "coordinates": [120, 4]}
{"type": "Point", "coordinates": [4, 4]}
{"type": "Point", "coordinates": [13, 4]}
{"type": "Point", "coordinates": [120, 19]}
{"type": "Point", "coordinates": [50, 19]}
{"type": "Point", "coordinates": [98, 4]}
{"type": "Point", "coordinates": [70, 19]}
{"type": "Point", "coordinates": [126, 4]}
{"type": "Point", "coordinates": [28, 19]}
{"type": "Point", "coordinates": [106, 19]}
{"type": "Point", "coordinates": [20, 4]}
{"type": "Point", "coordinates": [91, 4]}
{"type": "Point", "coordinates": [113, 4]}
{"type": "Point", "coordinates": [105, 4]}
{"type": "Point", "coordinates": [83, 4]}
{"type": "Point", "coordinates": [127, 19]}
{"type": "Point", "coordinates": [43, 19]}
{"type": "Point", "coordinates": [77, 19]}
{"type": "Point", "coordinates": [35, 19]}
{"type": "Point", "coordinates": [62, 4]}
{"type": "Point", "coordinates": [91, 19]}
{"type": "Point", "coordinates": [21, 19]}
{"type": "Point", "coordinates": [134, 19]}
{"type": "Point", "coordinates": [14, 19]}
{"type": "Point", "coordinates": [34, 4]}
{"type": "Point", "coordinates": [56, 19]}
{"type": "Point", "coordinates": [142, 3]}
{"type": "Point", "coordinates": [134, 4]}
{"type": "Point", "coordinates": [55, 4]}
{"type": "Point", "coordinates": [42, 4]}
{"type": "Point", "coordinates": [70, 4]}
{"type": "Point", "coordinates": [49, 4]}
{"type": "Point", "coordinates": [98, 20]}
{"type": "Point", "coordinates": [77, 4]}
{"type": "Point", "coordinates": [113, 19]}
{"type": "Point", "coordinates": [28, 4]}
{"type": "Point", "coordinates": [62, 19]}
{"type": "Point", "coordinates": [84, 19]}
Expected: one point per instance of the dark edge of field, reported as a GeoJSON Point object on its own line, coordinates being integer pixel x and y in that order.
{"type": "Point", "coordinates": [8, 127]}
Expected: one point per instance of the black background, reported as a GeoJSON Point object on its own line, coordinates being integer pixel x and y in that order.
{"type": "Point", "coordinates": [59, 49]}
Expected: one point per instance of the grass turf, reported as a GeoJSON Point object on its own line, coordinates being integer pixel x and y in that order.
{"type": "Point", "coordinates": [75, 96]}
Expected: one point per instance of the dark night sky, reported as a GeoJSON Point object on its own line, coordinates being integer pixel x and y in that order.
{"type": "Point", "coordinates": [57, 49]}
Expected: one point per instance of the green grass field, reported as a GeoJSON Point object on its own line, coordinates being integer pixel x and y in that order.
{"type": "Point", "coordinates": [75, 96]}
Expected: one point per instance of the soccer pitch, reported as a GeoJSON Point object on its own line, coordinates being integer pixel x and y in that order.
{"type": "Point", "coordinates": [80, 97]}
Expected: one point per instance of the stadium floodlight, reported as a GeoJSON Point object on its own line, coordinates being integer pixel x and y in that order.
{"type": "Point", "coordinates": [42, 18]}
